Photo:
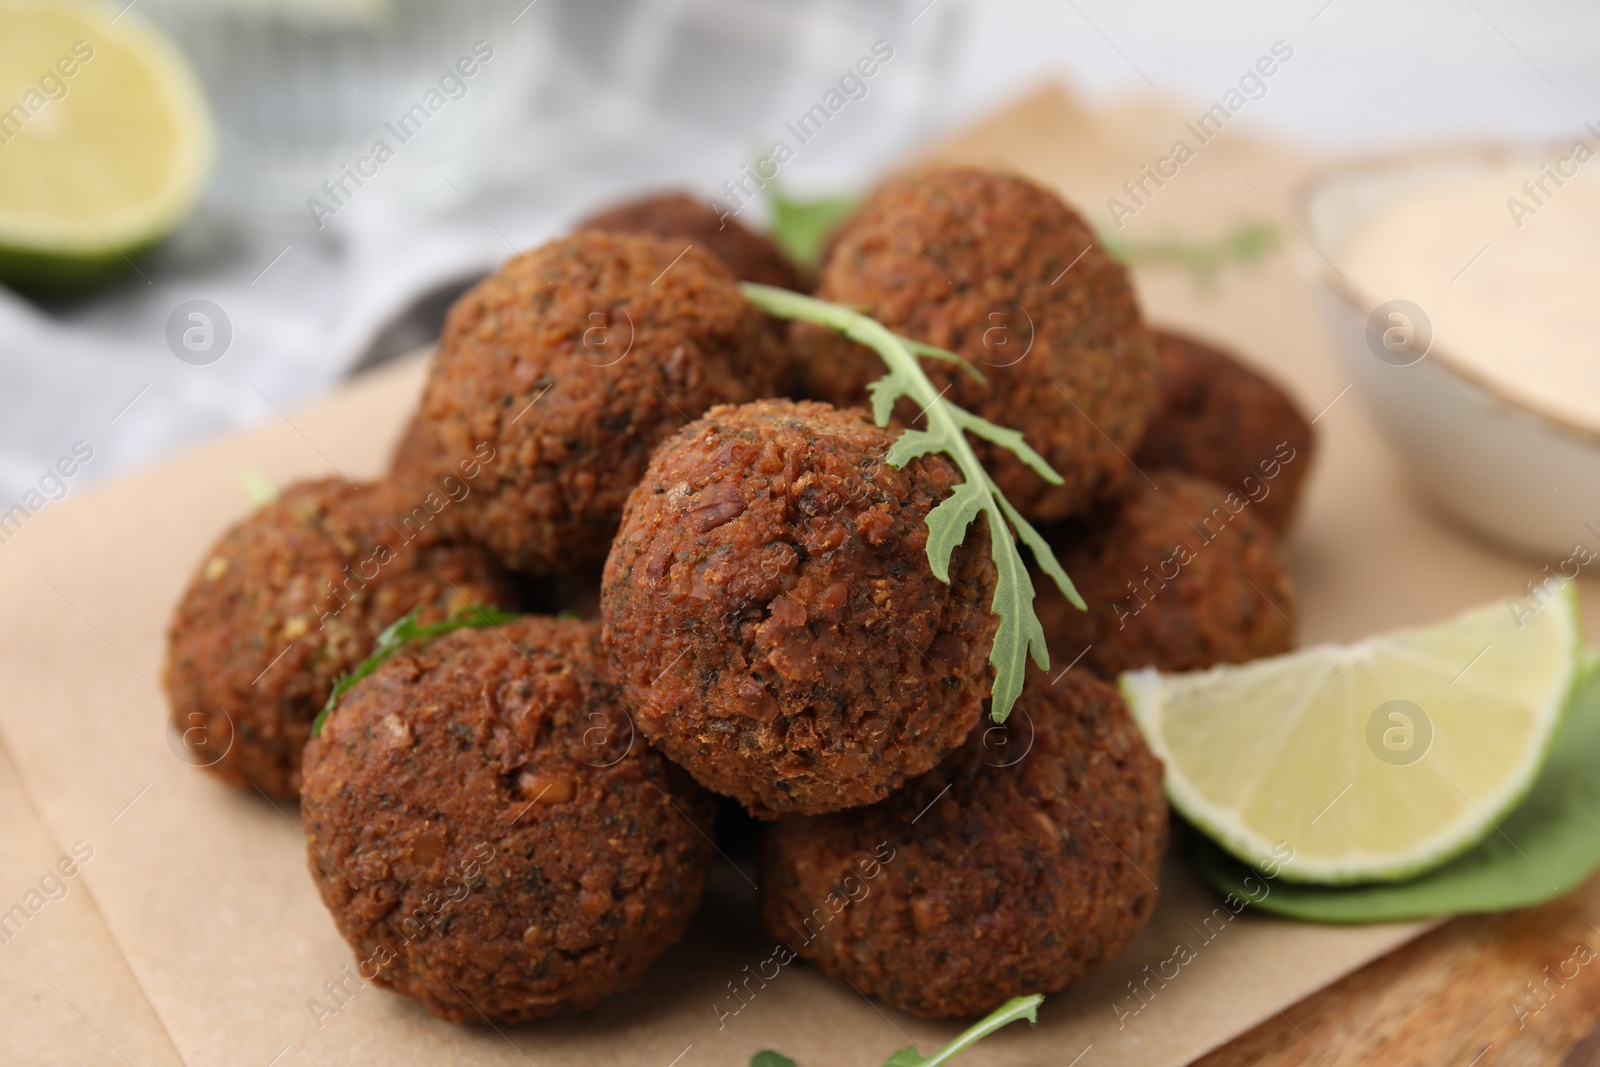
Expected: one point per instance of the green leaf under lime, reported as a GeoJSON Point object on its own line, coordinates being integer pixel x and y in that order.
{"type": "Point", "coordinates": [1549, 844]}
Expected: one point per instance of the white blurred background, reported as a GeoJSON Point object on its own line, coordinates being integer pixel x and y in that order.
{"type": "Point", "coordinates": [582, 101]}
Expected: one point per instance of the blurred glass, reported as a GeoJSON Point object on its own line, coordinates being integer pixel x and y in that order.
{"type": "Point", "coordinates": [305, 90]}
{"type": "Point", "coordinates": [644, 67]}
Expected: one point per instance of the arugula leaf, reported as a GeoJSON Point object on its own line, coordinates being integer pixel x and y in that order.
{"type": "Point", "coordinates": [800, 228]}
{"type": "Point", "coordinates": [946, 425]}
{"type": "Point", "coordinates": [1016, 1008]}
{"type": "Point", "coordinates": [934, 352]}
{"type": "Point", "coordinates": [1548, 845]}
{"type": "Point", "coordinates": [258, 488]}
{"type": "Point", "coordinates": [1246, 243]}
{"type": "Point", "coordinates": [400, 633]}
{"type": "Point", "coordinates": [768, 1058]}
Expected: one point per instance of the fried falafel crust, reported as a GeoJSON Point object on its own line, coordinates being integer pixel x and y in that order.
{"type": "Point", "coordinates": [771, 615]}
{"type": "Point", "coordinates": [1025, 860]}
{"type": "Point", "coordinates": [291, 598]}
{"type": "Point", "coordinates": [563, 371]}
{"type": "Point", "coordinates": [412, 451]}
{"type": "Point", "coordinates": [1179, 575]}
{"type": "Point", "coordinates": [489, 834]}
{"type": "Point", "coordinates": [1220, 419]}
{"type": "Point", "coordinates": [999, 270]}
{"type": "Point", "coordinates": [751, 256]}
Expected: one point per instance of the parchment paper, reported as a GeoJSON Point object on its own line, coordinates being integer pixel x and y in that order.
{"type": "Point", "coordinates": [204, 889]}
{"type": "Point", "coordinates": [68, 995]}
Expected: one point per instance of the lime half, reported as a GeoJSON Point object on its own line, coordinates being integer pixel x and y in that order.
{"type": "Point", "coordinates": [105, 142]}
{"type": "Point", "coordinates": [1370, 762]}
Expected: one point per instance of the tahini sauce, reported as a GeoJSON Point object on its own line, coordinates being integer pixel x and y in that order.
{"type": "Point", "coordinates": [1517, 305]}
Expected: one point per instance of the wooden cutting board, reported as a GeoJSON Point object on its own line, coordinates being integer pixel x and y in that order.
{"type": "Point", "coordinates": [1520, 988]}
{"type": "Point", "coordinates": [206, 943]}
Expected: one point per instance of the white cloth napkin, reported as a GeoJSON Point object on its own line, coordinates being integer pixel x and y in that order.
{"type": "Point", "coordinates": [301, 307]}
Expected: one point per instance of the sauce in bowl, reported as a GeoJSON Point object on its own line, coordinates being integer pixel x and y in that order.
{"type": "Point", "coordinates": [1505, 262]}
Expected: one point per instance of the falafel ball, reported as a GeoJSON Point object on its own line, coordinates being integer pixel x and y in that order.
{"type": "Point", "coordinates": [771, 615]}
{"type": "Point", "coordinates": [1220, 419]}
{"type": "Point", "coordinates": [488, 833]}
{"type": "Point", "coordinates": [1179, 575]}
{"type": "Point", "coordinates": [751, 256]}
{"type": "Point", "coordinates": [291, 598]}
{"type": "Point", "coordinates": [1021, 863]}
{"type": "Point", "coordinates": [999, 270]}
{"type": "Point", "coordinates": [557, 377]}
{"type": "Point", "coordinates": [574, 595]}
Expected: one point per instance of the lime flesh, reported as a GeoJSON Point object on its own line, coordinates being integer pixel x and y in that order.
{"type": "Point", "coordinates": [105, 142]}
{"type": "Point", "coordinates": [1368, 762]}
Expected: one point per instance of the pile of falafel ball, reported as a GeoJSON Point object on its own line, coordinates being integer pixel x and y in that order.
{"type": "Point", "coordinates": [729, 602]}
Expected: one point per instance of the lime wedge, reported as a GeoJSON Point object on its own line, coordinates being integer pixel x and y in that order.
{"type": "Point", "coordinates": [1371, 762]}
{"type": "Point", "coordinates": [105, 142]}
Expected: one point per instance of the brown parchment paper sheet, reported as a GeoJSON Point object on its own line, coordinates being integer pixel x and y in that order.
{"type": "Point", "coordinates": [205, 890]}
{"type": "Point", "coordinates": [66, 994]}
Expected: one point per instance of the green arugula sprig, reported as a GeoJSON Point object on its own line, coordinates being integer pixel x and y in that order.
{"type": "Point", "coordinates": [801, 229]}
{"type": "Point", "coordinates": [946, 429]}
{"type": "Point", "coordinates": [1016, 1008]}
{"type": "Point", "coordinates": [258, 488]}
{"type": "Point", "coordinates": [400, 633]}
{"type": "Point", "coordinates": [1203, 259]}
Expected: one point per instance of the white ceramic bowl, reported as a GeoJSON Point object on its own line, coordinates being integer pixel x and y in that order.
{"type": "Point", "coordinates": [1525, 477]}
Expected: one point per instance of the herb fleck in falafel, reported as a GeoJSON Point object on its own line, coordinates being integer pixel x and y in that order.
{"type": "Point", "coordinates": [291, 598]}
{"type": "Point", "coordinates": [999, 270]}
{"type": "Point", "coordinates": [1025, 860]}
{"type": "Point", "coordinates": [1179, 575]}
{"type": "Point", "coordinates": [751, 256]}
{"type": "Point", "coordinates": [1217, 418]}
{"type": "Point", "coordinates": [771, 615]}
{"type": "Point", "coordinates": [488, 833]}
{"type": "Point", "coordinates": [572, 363]}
